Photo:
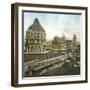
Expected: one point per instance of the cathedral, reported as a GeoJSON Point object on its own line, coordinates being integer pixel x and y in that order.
{"type": "Point", "coordinates": [35, 39]}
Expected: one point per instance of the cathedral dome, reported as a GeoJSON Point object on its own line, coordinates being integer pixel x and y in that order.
{"type": "Point", "coordinates": [36, 26]}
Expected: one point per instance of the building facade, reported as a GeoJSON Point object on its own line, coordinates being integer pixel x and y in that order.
{"type": "Point", "coordinates": [59, 43]}
{"type": "Point", "coordinates": [35, 40]}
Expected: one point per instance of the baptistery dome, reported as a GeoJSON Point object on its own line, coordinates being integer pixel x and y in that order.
{"type": "Point", "coordinates": [35, 40]}
{"type": "Point", "coordinates": [36, 26]}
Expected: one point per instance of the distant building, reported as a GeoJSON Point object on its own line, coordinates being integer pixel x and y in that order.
{"type": "Point", "coordinates": [74, 38]}
{"type": "Point", "coordinates": [69, 45]}
{"type": "Point", "coordinates": [35, 40]}
{"type": "Point", "coordinates": [59, 43]}
{"type": "Point", "coordinates": [56, 43]}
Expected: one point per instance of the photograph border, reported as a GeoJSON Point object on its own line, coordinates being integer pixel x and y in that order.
{"type": "Point", "coordinates": [14, 43]}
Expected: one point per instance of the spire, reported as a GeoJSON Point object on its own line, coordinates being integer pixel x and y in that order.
{"type": "Point", "coordinates": [36, 26]}
{"type": "Point", "coordinates": [36, 21]}
{"type": "Point", "coordinates": [63, 37]}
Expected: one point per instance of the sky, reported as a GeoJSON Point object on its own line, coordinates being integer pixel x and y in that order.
{"type": "Point", "coordinates": [55, 24]}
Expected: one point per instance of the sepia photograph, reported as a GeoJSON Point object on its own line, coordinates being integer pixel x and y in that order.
{"type": "Point", "coordinates": [51, 44]}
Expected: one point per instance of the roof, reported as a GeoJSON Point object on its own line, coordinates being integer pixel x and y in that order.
{"type": "Point", "coordinates": [36, 26]}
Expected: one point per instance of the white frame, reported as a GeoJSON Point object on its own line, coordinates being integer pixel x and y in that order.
{"type": "Point", "coordinates": [33, 80]}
